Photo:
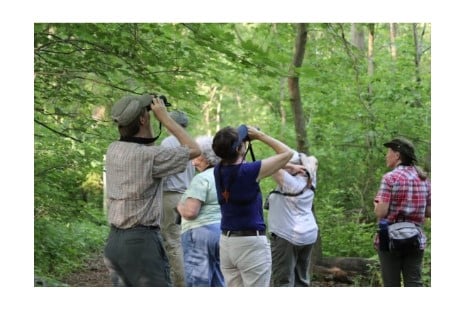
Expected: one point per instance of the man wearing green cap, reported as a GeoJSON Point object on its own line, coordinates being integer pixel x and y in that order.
{"type": "Point", "coordinates": [134, 252]}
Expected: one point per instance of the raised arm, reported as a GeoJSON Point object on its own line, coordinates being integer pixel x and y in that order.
{"type": "Point", "coordinates": [271, 164]}
{"type": "Point", "coordinates": [174, 128]}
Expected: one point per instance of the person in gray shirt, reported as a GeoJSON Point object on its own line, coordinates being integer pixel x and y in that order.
{"type": "Point", "coordinates": [174, 186]}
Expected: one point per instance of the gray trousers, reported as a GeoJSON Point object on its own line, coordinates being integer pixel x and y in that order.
{"type": "Point", "coordinates": [407, 265]}
{"type": "Point", "coordinates": [171, 235]}
{"type": "Point", "coordinates": [290, 263]}
{"type": "Point", "coordinates": [136, 258]}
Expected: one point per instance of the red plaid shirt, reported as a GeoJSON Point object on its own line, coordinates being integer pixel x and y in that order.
{"type": "Point", "coordinates": [407, 195]}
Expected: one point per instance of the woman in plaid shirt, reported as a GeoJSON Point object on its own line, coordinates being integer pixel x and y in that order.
{"type": "Point", "coordinates": [404, 196]}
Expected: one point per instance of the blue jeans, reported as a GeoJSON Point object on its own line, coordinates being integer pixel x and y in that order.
{"type": "Point", "coordinates": [202, 256]}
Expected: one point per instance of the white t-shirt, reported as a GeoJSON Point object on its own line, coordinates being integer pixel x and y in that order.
{"type": "Point", "coordinates": [291, 217]}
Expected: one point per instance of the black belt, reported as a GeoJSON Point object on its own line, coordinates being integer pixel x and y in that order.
{"type": "Point", "coordinates": [242, 233]}
{"type": "Point", "coordinates": [149, 227]}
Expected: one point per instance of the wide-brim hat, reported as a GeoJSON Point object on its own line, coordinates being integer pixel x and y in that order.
{"type": "Point", "coordinates": [311, 165]}
{"type": "Point", "coordinates": [404, 147]}
{"type": "Point", "coordinates": [309, 162]}
{"type": "Point", "coordinates": [129, 108]}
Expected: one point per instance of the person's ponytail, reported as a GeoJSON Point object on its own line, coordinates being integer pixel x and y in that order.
{"type": "Point", "coordinates": [421, 173]}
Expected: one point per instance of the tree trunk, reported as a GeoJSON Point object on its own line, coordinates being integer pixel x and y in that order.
{"type": "Point", "coordinates": [370, 59]}
{"type": "Point", "coordinates": [295, 100]}
{"type": "Point", "coordinates": [418, 52]}
{"type": "Point", "coordinates": [283, 116]}
{"type": "Point", "coordinates": [393, 42]}
{"type": "Point", "coordinates": [207, 109]}
{"type": "Point", "coordinates": [294, 88]}
{"type": "Point", "coordinates": [357, 37]}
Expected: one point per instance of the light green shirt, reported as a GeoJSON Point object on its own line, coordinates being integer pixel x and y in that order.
{"type": "Point", "coordinates": [202, 187]}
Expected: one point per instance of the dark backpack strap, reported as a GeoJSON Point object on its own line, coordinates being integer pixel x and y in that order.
{"type": "Point", "coordinates": [291, 194]}
{"type": "Point", "coordinates": [286, 193]}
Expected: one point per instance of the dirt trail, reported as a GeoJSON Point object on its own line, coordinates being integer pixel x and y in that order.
{"type": "Point", "coordinates": [95, 274]}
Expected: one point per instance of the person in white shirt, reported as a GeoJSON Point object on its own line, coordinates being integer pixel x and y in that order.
{"type": "Point", "coordinates": [292, 224]}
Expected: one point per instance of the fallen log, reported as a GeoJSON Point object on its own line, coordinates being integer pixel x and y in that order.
{"type": "Point", "coordinates": [343, 269]}
{"type": "Point", "coordinates": [352, 264]}
{"type": "Point", "coordinates": [332, 274]}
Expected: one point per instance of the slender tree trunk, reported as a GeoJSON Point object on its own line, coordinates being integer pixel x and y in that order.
{"type": "Point", "coordinates": [294, 88]}
{"type": "Point", "coordinates": [417, 52]}
{"type": "Point", "coordinates": [218, 112]}
{"type": "Point", "coordinates": [295, 100]}
{"type": "Point", "coordinates": [393, 41]}
{"type": "Point", "coordinates": [370, 126]}
{"type": "Point", "coordinates": [283, 115]}
{"type": "Point", "coordinates": [207, 109]}
{"type": "Point", "coordinates": [370, 57]}
{"type": "Point", "coordinates": [417, 39]}
{"type": "Point", "coordinates": [357, 37]}
{"type": "Point", "coordinates": [357, 41]}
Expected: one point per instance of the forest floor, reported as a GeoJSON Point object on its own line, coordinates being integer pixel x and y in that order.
{"type": "Point", "coordinates": [95, 274]}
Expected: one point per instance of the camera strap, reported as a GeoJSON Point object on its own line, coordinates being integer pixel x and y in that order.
{"type": "Point", "coordinates": [160, 130]}
{"type": "Point", "coordinates": [139, 140]}
{"type": "Point", "coordinates": [309, 185]}
{"type": "Point", "coordinates": [249, 149]}
{"type": "Point", "coordinates": [291, 194]}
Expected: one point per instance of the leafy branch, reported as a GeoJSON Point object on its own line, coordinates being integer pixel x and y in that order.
{"type": "Point", "coordinates": [57, 132]}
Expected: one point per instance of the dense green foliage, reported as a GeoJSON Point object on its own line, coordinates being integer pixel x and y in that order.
{"type": "Point", "coordinates": [223, 74]}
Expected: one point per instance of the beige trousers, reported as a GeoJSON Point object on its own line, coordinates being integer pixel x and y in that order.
{"type": "Point", "coordinates": [171, 236]}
